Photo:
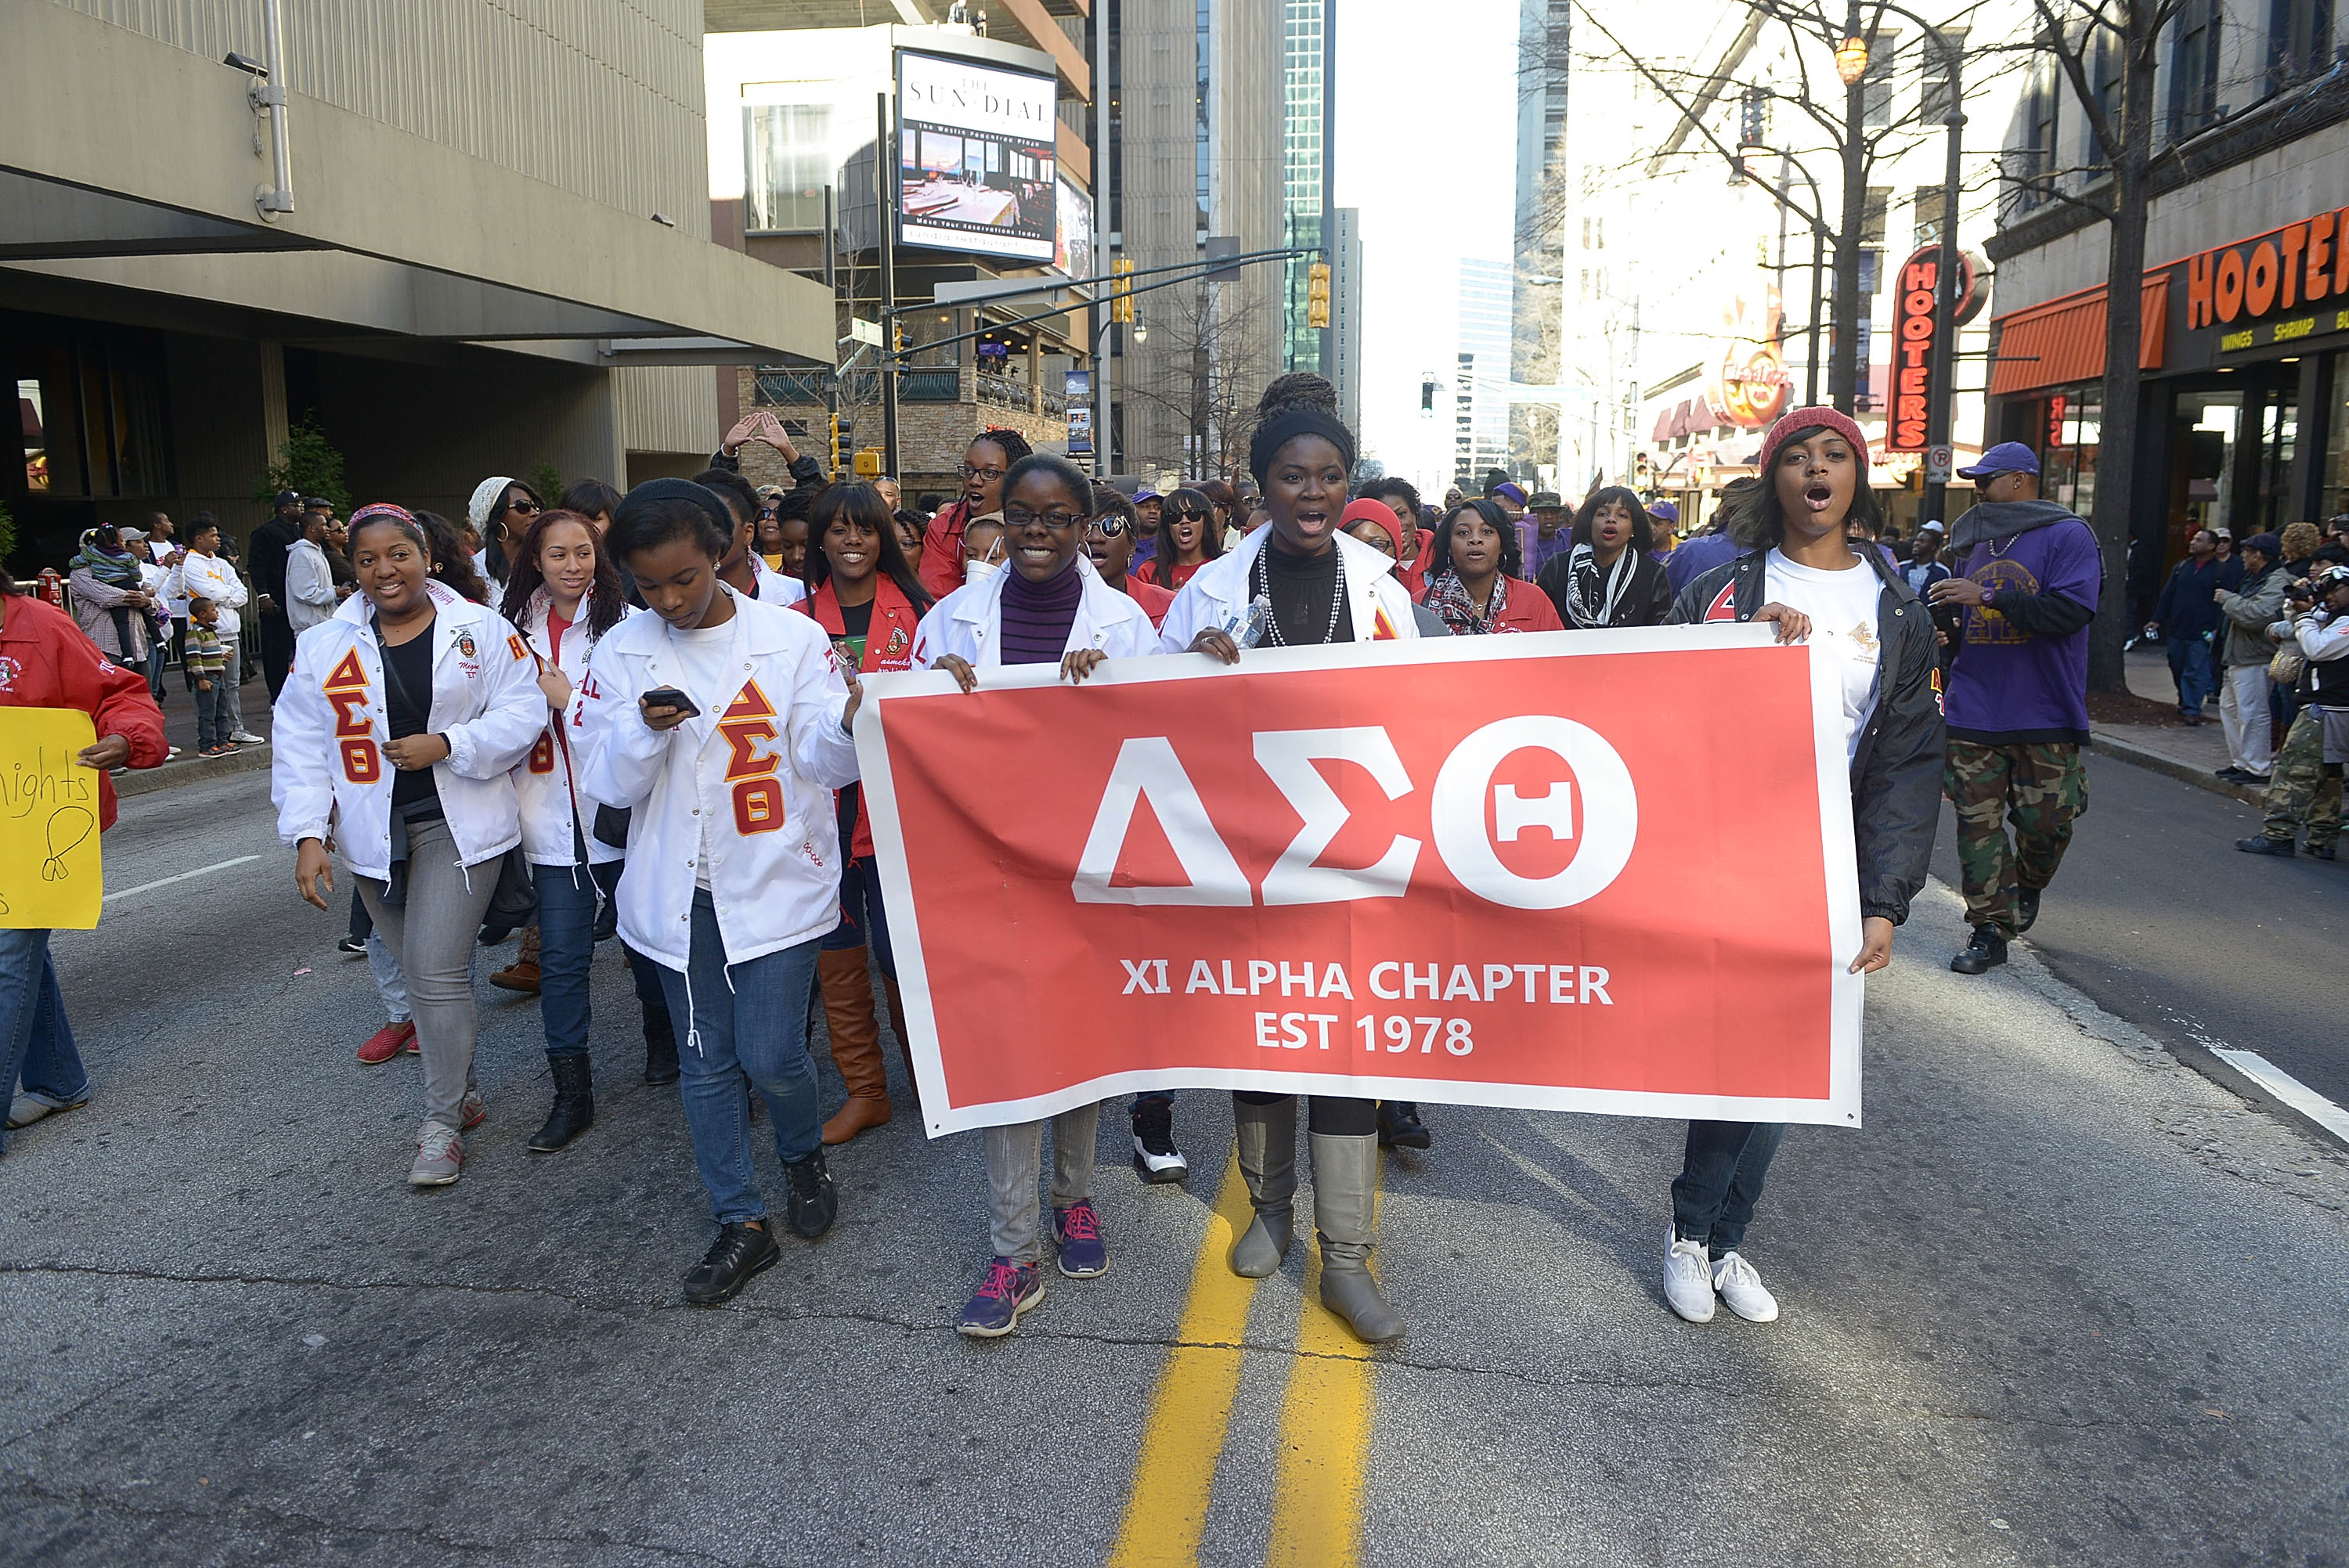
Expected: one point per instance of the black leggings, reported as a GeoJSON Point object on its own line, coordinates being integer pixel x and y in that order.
{"type": "Point", "coordinates": [1329, 1114]}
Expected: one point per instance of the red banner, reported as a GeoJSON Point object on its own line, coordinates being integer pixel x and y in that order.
{"type": "Point", "coordinates": [1587, 871]}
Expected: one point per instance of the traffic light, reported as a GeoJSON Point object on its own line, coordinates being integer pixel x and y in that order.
{"type": "Point", "coordinates": [1753, 131]}
{"type": "Point", "coordinates": [1642, 471]}
{"type": "Point", "coordinates": [1317, 294]}
{"type": "Point", "coordinates": [1427, 393]}
{"type": "Point", "coordinates": [841, 428]}
{"type": "Point", "coordinates": [1120, 289]}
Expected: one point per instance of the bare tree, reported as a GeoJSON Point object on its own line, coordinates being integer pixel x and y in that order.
{"type": "Point", "coordinates": [1211, 339]}
{"type": "Point", "coordinates": [2108, 54]}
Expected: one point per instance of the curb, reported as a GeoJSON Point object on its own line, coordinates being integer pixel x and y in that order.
{"type": "Point", "coordinates": [2184, 772]}
{"type": "Point", "coordinates": [189, 770]}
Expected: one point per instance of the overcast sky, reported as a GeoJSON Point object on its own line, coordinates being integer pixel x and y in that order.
{"type": "Point", "coordinates": [1427, 148]}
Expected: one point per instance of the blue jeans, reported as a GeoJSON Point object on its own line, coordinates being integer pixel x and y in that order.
{"type": "Point", "coordinates": [36, 1044]}
{"type": "Point", "coordinates": [566, 945]}
{"type": "Point", "coordinates": [864, 923]}
{"type": "Point", "coordinates": [746, 1018]}
{"type": "Point", "coordinates": [2190, 663]}
{"type": "Point", "coordinates": [1721, 1178]}
{"type": "Point", "coordinates": [643, 971]}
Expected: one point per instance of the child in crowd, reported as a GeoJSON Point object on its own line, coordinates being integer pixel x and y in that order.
{"type": "Point", "coordinates": [983, 548]}
{"type": "Point", "coordinates": [207, 661]}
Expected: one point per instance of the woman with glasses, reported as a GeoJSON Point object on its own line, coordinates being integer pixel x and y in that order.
{"type": "Point", "coordinates": [983, 464]}
{"type": "Point", "coordinates": [1301, 580]}
{"type": "Point", "coordinates": [500, 510]}
{"type": "Point", "coordinates": [1049, 606]}
{"type": "Point", "coordinates": [867, 600]}
{"type": "Point", "coordinates": [1188, 538]}
{"type": "Point", "coordinates": [1475, 587]}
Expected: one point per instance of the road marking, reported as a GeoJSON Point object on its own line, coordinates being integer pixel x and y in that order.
{"type": "Point", "coordinates": [1325, 1438]}
{"type": "Point", "coordinates": [1192, 1408]}
{"type": "Point", "coordinates": [2287, 1088]}
{"type": "Point", "coordinates": [183, 876]}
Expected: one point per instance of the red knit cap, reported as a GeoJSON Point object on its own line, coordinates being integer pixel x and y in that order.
{"type": "Point", "coordinates": [1809, 418]}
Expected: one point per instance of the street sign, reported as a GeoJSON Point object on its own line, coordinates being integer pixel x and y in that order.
{"type": "Point", "coordinates": [863, 331]}
{"type": "Point", "coordinates": [1937, 465]}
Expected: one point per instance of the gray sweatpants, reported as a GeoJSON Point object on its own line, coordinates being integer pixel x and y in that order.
{"type": "Point", "coordinates": [431, 935]}
{"type": "Point", "coordinates": [1015, 1161]}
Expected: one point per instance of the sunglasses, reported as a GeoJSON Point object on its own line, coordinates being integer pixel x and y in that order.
{"type": "Point", "coordinates": [522, 504]}
{"type": "Point", "coordinates": [1109, 527]}
{"type": "Point", "coordinates": [1186, 514]}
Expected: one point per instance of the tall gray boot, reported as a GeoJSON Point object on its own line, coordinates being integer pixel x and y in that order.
{"type": "Point", "coordinates": [1265, 1139]}
{"type": "Point", "coordinates": [1345, 1183]}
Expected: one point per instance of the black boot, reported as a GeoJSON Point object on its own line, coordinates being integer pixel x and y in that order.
{"type": "Point", "coordinates": [660, 1045]}
{"type": "Point", "coordinates": [2265, 846]}
{"type": "Point", "coordinates": [1399, 1125]}
{"type": "Point", "coordinates": [1987, 951]}
{"type": "Point", "coordinates": [575, 1105]}
{"type": "Point", "coordinates": [2026, 909]}
{"type": "Point", "coordinates": [741, 1251]}
{"type": "Point", "coordinates": [814, 1202]}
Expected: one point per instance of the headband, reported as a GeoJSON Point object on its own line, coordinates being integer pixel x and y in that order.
{"type": "Point", "coordinates": [1298, 420]}
{"type": "Point", "coordinates": [381, 509]}
{"type": "Point", "coordinates": [702, 496]}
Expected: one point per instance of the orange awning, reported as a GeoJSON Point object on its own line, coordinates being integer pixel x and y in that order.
{"type": "Point", "coordinates": [2062, 341]}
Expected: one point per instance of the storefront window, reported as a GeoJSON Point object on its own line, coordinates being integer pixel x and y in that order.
{"type": "Point", "coordinates": [37, 441]}
{"type": "Point", "coordinates": [2337, 440]}
{"type": "Point", "coordinates": [2204, 429]}
{"type": "Point", "coordinates": [2068, 444]}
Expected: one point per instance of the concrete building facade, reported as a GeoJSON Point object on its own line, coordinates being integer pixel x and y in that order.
{"type": "Point", "coordinates": [485, 250]}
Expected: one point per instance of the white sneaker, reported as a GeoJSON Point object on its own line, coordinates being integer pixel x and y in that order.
{"type": "Point", "coordinates": [440, 1157]}
{"type": "Point", "coordinates": [1688, 1279]}
{"type": "Point", "coordinates": [1742, 1288]}
{"type": "Point", "coordinates": [246, 737]}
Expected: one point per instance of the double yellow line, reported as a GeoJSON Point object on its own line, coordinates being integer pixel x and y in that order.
{"type": "Point", "coordinates": [1325, 1419]}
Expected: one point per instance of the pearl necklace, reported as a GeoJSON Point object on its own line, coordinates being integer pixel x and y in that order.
{"type": "Point", "coordinates": [1261, 582]}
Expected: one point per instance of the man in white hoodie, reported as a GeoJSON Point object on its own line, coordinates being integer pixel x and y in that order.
{"type": "Point", "coordinates": [309, 579]}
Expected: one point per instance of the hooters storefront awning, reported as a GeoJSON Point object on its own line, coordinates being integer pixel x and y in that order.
{"type": "Point", "coordinates": [2061, 342]}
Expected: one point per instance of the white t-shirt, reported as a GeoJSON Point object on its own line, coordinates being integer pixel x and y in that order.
{"type": "Point", "coordinates": [1842, 608]}
{"type": "Point", "coordinates": [702, 652]}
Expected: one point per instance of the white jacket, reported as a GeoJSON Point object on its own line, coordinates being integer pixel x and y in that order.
{"type": "Point", "coordinates": [546, 782]}
{"type": "Point", "coordinates": [776, 884]}
{"type": "Point", "coordinates": [216, 580]}
{"type": "Point", "coordinates": [774, 588]}
{"type": "Point", "coordinates": [968, 621]}
{"type": "Point", "coordinates": [328, 770]}
{"type": "Point", "coordinates": [309, 585]}
{"type": "Point", "coordinates": [1217, 595]}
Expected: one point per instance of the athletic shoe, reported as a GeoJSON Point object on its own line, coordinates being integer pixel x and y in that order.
{"type": "Point", "coordinates": [29, 1108]}
{"type": "Point", "coordinates": [387, 1042]}
{"type": "Point", "coordinates": [814, 1202]}
{"type": "Point", "coordinates": [741, 1250]}
{"type": "Point", "coordinates": [994, 1309]}
{"type": "Point", "coordinates": [2320, 851]}
{"type": "Point", "coordinates": [2265, 846]}
{"type": "Point", "coordinates": [2026, 908]}
{"type": "Point", "coordinates": [1741, 1289]}
{"type": "Point", "coordinates": [1154, 1154]}
{"type": "Point", "coordinates": [246, 737]}
{"type": "Point", "coordinates": [1688, 1279]}
{"type": "Point", "coordinates": [1076, 1232]}
{"type": "Point", "coordinates": [471, 1110]}
{"type": "Point", "coordinates": [440, 1156]}
{"type": "Point", "coordinates": [351, 946]}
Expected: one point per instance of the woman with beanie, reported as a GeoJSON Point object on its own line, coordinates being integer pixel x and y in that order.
{"type": "Point", "coordinates": [501, 508]}
{"type": "Point", "coordinates": [867, 602]}
{"type": "Point", "coordinates": [1608, 575]}
{"type": "Point", "coordinates": [1799, 572]}
{"type": "Point", "coordinates": [1301, 580]}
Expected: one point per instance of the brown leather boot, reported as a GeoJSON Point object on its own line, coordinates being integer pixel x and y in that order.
{"type": "Point", "coordinates": [523, 974]}
{"type": "Point", "coordinates": [905, 1041]}
{"type": "Point", "coordinates": [855, 1043]}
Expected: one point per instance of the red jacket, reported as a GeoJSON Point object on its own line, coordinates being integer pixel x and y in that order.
{"type": "Point", "coordinates": [1529, 610]}
{"type": "Point", "coordinates": [1413, 575]}
{"type": "Point", "coordinates": [45, 661]}
{"type": "Point", "coordinates": [1154, 601]}
{"type": "Point", "coordinates": [942, 549]}
{"type": "Point", "coordinates": [888, 645]}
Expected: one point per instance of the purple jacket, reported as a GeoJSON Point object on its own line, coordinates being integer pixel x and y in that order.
{"type": "Point", "coordinates": [2022, 670]}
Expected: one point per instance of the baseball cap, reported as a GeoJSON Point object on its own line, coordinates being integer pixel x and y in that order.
{"type": "Point", "coordinates": [1933, 528]}
{"type": "Point", "coordinates": [1142, 495]}
{"type": "Point", "coordinates": [2006, 458]}
{"type": "Point", "coordinates": [287, 498]}
{"type": "Point", "coordinates": [1666, 510]}
{"type": "Point", "coordinates": [1544, 500]}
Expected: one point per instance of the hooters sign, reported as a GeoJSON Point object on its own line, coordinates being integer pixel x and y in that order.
{"type": "Point", "coordinates": [1585, 871]}
{"type": "Point", "coordinates": [1914, 326]}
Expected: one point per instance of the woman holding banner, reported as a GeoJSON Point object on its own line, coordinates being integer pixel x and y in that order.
{"type": "Point", "coordinates": [1798, 571]}
{"type": "Point", "coordinates": [1301, 582]}
{"type": "Point", "coordinates": [1048, 606]}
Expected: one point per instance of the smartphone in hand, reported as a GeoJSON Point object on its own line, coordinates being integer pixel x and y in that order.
{"type": "Point", "coordinates": [669, 696]}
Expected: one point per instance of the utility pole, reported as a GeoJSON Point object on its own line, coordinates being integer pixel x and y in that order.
{"type": "Point", "coordinates": [1104, 173]}
{"type": "Point", "coordinates": [1843, 377]}
{"type": "Point", "coordinates": [884, 180]}
{"type": "Point", "coordinates": [1940, 378]}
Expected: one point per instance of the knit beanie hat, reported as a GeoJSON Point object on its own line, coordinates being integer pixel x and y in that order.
{"type": "Point", "coordinates": [1808, 418]}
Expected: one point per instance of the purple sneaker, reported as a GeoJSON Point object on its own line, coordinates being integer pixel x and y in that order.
{"type": "Point", "coordinates": [1077, 1232]}
{"type": "Point", "coordinates": [994, 1309]}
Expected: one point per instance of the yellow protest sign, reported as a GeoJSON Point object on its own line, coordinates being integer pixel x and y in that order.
{"type": "Point", "coordinates": [49, 874]}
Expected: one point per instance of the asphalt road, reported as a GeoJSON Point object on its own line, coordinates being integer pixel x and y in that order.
{"type": "Point", "coordinates": [2061, 1301]}
{"type": "Point", "coordinates": [2159, 917]}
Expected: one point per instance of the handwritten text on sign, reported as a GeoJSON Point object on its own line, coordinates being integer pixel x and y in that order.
{"type": "Point", "coordinates": [1582, 870]}
{"type": "Point", "coordinates": [49, 875]}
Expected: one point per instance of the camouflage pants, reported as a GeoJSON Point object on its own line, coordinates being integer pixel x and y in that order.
{"type": "Point", "coordinates": [2041, 788]}
{"type": "Point", "coordinates": [2304, 791]}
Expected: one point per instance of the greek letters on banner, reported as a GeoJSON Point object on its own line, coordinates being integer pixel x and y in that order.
{"type": "Point", "coordinates": [1582, 870]}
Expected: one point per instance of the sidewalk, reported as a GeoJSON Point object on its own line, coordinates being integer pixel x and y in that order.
{"type": "Point", "coordinates": [179, 731]}
{"type": "Point", "coordinates": [2164, 743]}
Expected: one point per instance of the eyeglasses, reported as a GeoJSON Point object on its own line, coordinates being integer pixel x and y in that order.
{"type": "Point", "coordinates": [1058, 521]}
{"type": "Point", "coordinates": [1109, 527]}
{"type": "Point", "coordinates": [989, 475]}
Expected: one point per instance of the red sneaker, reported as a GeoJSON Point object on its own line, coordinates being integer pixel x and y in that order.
{"type": "Point", "coordinates": [387, 1043]}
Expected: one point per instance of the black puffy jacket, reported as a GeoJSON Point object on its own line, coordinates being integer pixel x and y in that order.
{"type": "Point", "coordinates": [1896, 772]}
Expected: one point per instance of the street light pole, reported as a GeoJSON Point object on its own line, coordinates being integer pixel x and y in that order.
{"type": "Point", "coordinates": [1941, 390]}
